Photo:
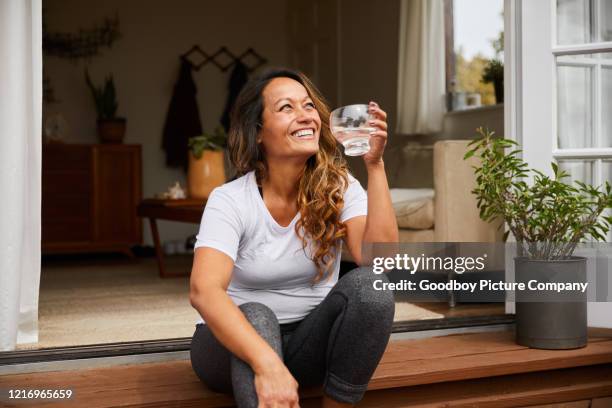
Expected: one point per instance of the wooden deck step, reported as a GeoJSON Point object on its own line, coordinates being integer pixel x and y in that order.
{"type": "Point", "coordinates": [464, 368]}
{"type": "Point", "coordinates": [517, 390]}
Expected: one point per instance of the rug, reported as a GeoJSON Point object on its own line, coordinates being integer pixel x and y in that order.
{"type": "Point", "coordinates": [127, 301]}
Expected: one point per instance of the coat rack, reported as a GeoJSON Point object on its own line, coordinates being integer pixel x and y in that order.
{"type": "Point", "coordinates": [223, 58]}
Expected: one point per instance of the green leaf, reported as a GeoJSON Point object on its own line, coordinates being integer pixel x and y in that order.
{"type": "Point", "coordinates": [468, 155]}
{"type": "Point", "coordinates": [216, 140]}
{"type": "Point", "coordinates": [105, 97]}
{"type": "Point", "coordinates": [548, 210]}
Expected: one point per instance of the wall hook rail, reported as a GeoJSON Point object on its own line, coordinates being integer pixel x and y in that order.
{"type": "Point", "coordinates": [223, 58]}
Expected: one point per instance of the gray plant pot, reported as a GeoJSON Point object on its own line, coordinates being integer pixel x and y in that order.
{"type": "Point", "coordinates": [555, 321]}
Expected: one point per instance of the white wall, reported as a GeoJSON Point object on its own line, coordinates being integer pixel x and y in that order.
{"type": "Point", "coordinates": [368, 43]}
{"type": "Point", "coordinates": [145, 67]}
{"type": "Point", "coordinates": [369, 53]}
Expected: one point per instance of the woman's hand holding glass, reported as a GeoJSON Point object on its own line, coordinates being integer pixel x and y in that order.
{"type": "Point", "coordinates": [378, 137]}
{"type": "Point", "coordinates": [361, 129]}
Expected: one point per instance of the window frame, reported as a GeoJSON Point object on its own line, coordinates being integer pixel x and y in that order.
{"type": "Point", "coordinates": [449, 43]}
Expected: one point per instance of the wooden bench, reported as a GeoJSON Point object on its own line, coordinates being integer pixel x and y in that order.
{"type": "Point", "coordinates": [464, 370]}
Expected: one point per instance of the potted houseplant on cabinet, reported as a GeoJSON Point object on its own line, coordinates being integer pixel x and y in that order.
{"type": "Point", "coordinates": [494, 73]}
{"type": "Point", "coordinates": [111, 129]}
{"type": "Point", "coordinates": [548, 218]}
{"type": "Point", "coordinates": [206, 169]}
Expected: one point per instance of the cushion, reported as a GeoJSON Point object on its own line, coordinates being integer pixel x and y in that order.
{"type": "Point", "coordinates": [415, 236]}
{"type": "Point", "coordinates": [414, 207]}
{"type": "Point", "coordinates": [412, 158]}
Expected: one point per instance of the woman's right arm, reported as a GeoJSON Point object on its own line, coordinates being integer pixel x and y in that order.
{"type": "Point", "coordinates": [210, 277]}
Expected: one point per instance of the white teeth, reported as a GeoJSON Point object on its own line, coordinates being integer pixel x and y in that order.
{"type": "Point", "coordinates": [304, 132]}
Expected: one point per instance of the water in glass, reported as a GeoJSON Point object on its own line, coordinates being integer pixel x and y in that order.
{"type": "Point", "coordinates": [350, 126]}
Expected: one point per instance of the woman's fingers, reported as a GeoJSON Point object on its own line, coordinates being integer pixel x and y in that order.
{"type": "Point", "coordinates": [381, 124]}
{"type": "Point", "coordinates": [276, 390]}
{"type": "Point", "coordinates": [277, 403]}
{"type": "Point", "coordinates": [378, 141]}
{"type": "Point", "coordinates": [379, 134]}
{"type": "Point", "coordinates": [378, 138]}
{"type": "Point", "coordinates": [376, 111]}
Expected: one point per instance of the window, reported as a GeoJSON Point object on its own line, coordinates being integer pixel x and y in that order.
{"type": "Point", "coordinates": [583, 142]}
{"type": "Point", "coordinates": [474, 52]}
{"type": "Point", "coordinates": [584, 89]}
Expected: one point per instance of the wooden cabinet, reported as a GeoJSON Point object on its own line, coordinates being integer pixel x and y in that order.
{"type": "Point", "coordinates": [89, 198]}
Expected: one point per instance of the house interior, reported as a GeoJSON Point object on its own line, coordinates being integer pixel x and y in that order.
{"type": "Point", "coordinates": [104, 279]}
{"type": "Point", "coordinates": [98, 314]}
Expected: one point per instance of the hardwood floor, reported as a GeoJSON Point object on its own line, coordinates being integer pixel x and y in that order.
{"type": "Point", "coordinates": [463, 370]}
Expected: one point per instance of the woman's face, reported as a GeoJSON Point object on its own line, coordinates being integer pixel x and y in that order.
{"type": "Point", "coordinates": [291, 123]}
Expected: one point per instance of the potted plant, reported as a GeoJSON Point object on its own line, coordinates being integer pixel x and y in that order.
{"type": "Point", "coordinates": [548, 218]}
{"type": "Point", "coordinates": [494, 73]}
{"type": "Point", "coordinates": [111, 129]}
{"type": "Point", "coordinates": [206, 169]}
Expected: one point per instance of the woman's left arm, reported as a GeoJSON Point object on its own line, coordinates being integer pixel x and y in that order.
{"type": "Point", "coordinates": [380, 224]}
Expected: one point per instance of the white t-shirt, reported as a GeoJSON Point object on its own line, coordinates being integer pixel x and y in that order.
{"type": "Point", "coordinates": [270, 266]}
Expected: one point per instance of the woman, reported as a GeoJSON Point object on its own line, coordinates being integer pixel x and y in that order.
{"type": "Point", "coordinates": [265, 270]}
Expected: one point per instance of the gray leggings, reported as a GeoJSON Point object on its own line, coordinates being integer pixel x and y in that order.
{"type": "Point", "coordinates": [338, 345]}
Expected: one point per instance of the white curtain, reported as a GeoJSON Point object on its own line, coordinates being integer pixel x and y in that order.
{"type": "Point", "coordinates": [20, 169]}
{"type": "Point", "coordinates": [421, 73]}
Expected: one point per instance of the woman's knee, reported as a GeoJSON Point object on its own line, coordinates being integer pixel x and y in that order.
{"type": "Point", "coordinates": [362, 285]}
{"type": "Point", "coordinates": [261, 317]}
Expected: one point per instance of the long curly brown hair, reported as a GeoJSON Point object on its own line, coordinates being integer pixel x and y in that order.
{"type": "Point", "coordinates": [325, 176]}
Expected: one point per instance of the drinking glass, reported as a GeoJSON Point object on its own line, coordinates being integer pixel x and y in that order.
{"type": "Point", "coordinates": [350, 125]}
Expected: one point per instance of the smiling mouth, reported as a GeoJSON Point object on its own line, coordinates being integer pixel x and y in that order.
{"type": "Point", "coordinates": [303, 134]}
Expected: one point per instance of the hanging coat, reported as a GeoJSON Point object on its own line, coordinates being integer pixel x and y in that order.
{"type": "Point", "coordinates": [182, 119]}
{"type": "Point", "coordinates": [238, 78]}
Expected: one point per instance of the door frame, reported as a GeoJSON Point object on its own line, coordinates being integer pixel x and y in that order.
{"type": "Point", "coordinates": [531, 100]}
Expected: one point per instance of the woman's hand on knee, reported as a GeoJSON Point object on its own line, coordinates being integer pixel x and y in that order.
{"type": "Point", "coordinates": [276, 387]}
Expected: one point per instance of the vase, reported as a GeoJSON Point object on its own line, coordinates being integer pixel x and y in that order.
{"type": "Point", "coordinates": [205, 173]}
{"type": "Point", "coordinates": [498, 86]}
{"type": "Point", "coordinates": [111, 130]}
{"type": "Point", "coordinates": [547, 319]}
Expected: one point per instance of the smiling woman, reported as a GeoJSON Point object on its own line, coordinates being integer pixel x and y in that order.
{"type": "Point", "coordinates": [265, 277]}
{"type": "Point", "coordinates": [289, 112]}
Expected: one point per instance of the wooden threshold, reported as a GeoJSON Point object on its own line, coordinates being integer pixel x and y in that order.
{"type": "Point", "coordinates": [475, 368]}
{"type": "Point", "coordinates": [182, 344]}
